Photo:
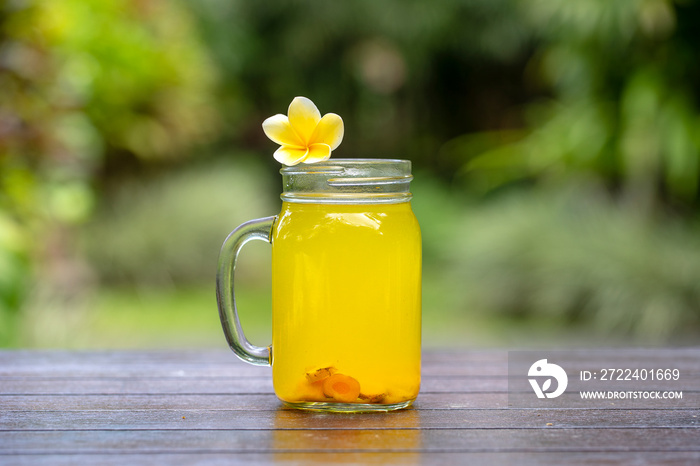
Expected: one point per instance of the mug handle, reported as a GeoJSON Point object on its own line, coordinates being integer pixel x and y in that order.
{"type": "Point", "coordinates": [260, 229]}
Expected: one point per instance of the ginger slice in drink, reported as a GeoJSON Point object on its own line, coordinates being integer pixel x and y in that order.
{"type": "Point", "coordinates": [342, 388]}
{"type": "Point", "coordinates": [372, 398]}
{"type": "Point", "coordinates": [320, 374]}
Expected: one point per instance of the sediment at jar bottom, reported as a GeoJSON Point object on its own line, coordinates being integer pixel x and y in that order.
{"type": "Point", "coordinates": [329, 385]}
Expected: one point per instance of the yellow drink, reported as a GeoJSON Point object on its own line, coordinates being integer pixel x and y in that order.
{"type": "Point", "coordinates": [346, 281]}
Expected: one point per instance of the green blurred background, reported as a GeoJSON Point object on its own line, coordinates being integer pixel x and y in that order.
{"type": "Point", "coordinates": [556, 152]}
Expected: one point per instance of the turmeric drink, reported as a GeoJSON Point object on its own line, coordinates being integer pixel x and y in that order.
{"type": "Point", "coordinates": [346, 281]}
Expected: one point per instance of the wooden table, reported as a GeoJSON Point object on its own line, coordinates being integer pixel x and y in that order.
{"type": "Point", "coordinates": [206, 407]}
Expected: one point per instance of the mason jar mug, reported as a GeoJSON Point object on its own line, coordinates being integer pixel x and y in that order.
{"type": "Point", "coordinates": [346, 287]}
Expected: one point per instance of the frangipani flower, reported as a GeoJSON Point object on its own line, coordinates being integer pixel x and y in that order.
{"type": "Point", "coordinates": [304, 136]}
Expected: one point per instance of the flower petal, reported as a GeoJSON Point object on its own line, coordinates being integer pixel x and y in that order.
{"type": "Point", "coordinates": [290, 155]}
{"type": "Point", "coordinates": [278, 129]}
{"type": "Point", "coordinates": [303, 116]}
{"type": "Point", "coordinates": [318, 153]}
{"type": "Point", "coordinates": [330, 130]}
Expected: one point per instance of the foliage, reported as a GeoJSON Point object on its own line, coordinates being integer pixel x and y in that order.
{"type": "Point", "coordinates": [573, 256]}
{"type": "Point", "coordinates": [167, 229]}
{"type": "Point", "coordinates": [519, 89]}
{"type": "Point", "coordinates": [85, 83]}
{"type": "Point", "coordinates": [623, 103]}
{"type": "Point", "coordinates": [404, 75]}
{"type": "Point", "coordinates": [506, 108]}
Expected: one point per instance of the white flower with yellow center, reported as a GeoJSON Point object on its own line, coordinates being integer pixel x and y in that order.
{"type": "Point", "coordinates": [304, 136]}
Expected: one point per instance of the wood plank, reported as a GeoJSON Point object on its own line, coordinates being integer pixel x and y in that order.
{"type": "Point", "coordinates": [134, 385]}
{"type": "Point", "coordinates": [49, 359]}
{"type": "Point", "coordinates": [203, 385]}
{"type": "Point", "coordinates": [79, 368]}
{"type": "Point", "coordinates": [223, 363]}
{"type": "Point", "coordinates": [205, 369]}
{"type": "Point", "coordinates": [263, 384]}
{"type": "Point", "coordinates": [671, 458]}
{"type": "Point", "coordinates": [189, 419]}
{"type": "Point", "coordinates": [37, 356]}
{"type": "Point", "coordinates": [257, 401]}
{"type": "Point", "coordinates": [296, 458]}
{"type": "Point", "coordinates": [245, 402]}
{"type": "Point", "coordinates": [684, 357]}
{"type": "Point", "coordinates": [396, 440]}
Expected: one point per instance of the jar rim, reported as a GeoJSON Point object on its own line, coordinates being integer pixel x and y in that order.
{"type": "Point", "coordinates": [343, 181]}
{"type": "Point", "coordinates": [328, 165]}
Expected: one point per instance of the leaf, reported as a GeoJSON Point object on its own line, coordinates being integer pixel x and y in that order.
{"type": "Point", "coordinates": [546, 385]}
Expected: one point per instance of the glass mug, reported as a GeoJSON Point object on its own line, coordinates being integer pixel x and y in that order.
{"type": "Point", "coordinates": [346, 287]}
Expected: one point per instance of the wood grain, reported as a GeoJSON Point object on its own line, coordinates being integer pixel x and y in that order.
{"type": "Point", "coordinates": [206, 407]}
